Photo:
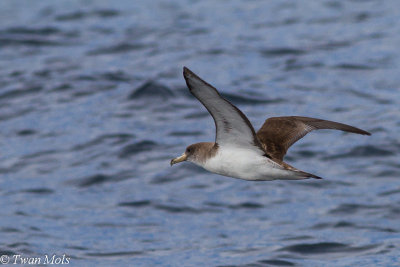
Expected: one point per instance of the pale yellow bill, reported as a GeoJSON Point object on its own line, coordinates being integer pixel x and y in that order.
{"type": "Point", "coordinates": [178, 159]}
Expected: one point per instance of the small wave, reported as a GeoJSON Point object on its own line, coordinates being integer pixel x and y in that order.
{"type": "Point", "coordinates": [234, 98]}
{"type": "Point", "coordinates": [282, 51]}
{"type": "Point", "coordinates": [31, 36]}
{"type": "Point", "coordinates": [345, 224]}
{"type": "Point", "coordinates": [325, 183]}
{"type": "Point", "coordinates": [295, 65]}
{"type": "Point", "coordinates": [26, 132]}
{"type": "Point", "coordinates": [117, 138]}
{"type": "Point", "coordinates": [9, 230]}
{"type": "Point", "coordinates": [62, 87]}
{"type": "Point", "coordinates": [334, 45]}
{"type": "Point", "coordinates": [93, 89]}
{"type": "Point", "coordinates": [182, 209]}
{"type": "Point", "coordinates": [78, 15]}
{"type": "Point", "coordinates": [80, 248]}
{"type": "Point", "coordinates": [354, 208]}
{"type": "Point", "coordinates": [243, 205]}
{"type": "Point", "coordinates": [307, 153]}
{"type": "Point", "coordinates": [135, 204]}
{"type": "Point", "coordinates": [388, 173]}
{"type": "Point", "coordinates": [115, 76]}
{"type": "Point", "coordinates": [35, 31]}
{"type": "Point", "coordinates": [299, 237]}
{"type": "Point", "coordinates": [136, 148]}
{"type": "Point", "coordinates": [275, 23]}
{"type": "Point", "coordinates": [39, 191]}
{"type": "Point", "coordinates": [371, 97]}
{"type": "Point", "coordinates": [5, 41]}
{"type": "Point", "coordinates": [246, 205]}
{"type": "Point", "coordinates": [94, 179]}
{"type": "Point", "coordinates": [99, 178]}
{"type": "Point", "coordinates": [166, 178]}
{"type": "Point", "coordinates": [109, 76]}
{"type": "Point", "coordinates": [8, 252]}
{"type": "Point", "coordinates": [118, 48]}
{"type": "Point", "coordinates": [352, 66]}
{"type": "Point", "coordinates": [115, 254]}
{"type": "Point", "coordinates": [151, 90]}
{"type": "Point", "coordinates": [174, 174]}
{"type": "Point", "coordinates": [275, 262]}
{"type": "Point", "coordinates": [364, 151]}
{"type": "Point", "coordinates": [43, 158]}
{"type": "Point", "coordinates": [326, 247]}
{"type": "Point", "coordinates": [13, 93]}
{"type": "Point", "coordinates": [390, 192]}
{"type": "Point", "coordinates": [19, 244]}
{"type": "Point", "coordinates": [41, 153]}
{"type": "Point", "coordinates": [165, 207]}
{"type": "Point", "coordinates": [71, 16]}
{"type": "Point", "coordinates": [213, 51]}
{"type": "Point", "coordinates": [185, 133]}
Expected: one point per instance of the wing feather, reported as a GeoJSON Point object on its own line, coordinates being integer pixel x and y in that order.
{"type": "Point", "coordinates": [232, 126]}
{"type": "Point", "coordinates": [278, 133]}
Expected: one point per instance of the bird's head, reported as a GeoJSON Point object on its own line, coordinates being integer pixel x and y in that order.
{"type": "Point", "coordinates": [189, 155]}
{"type": "Point", "coordinates": [196, 153]}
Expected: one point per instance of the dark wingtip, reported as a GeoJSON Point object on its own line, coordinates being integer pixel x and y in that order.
{"type": "Point", "coordinates": [187, 72]}
{"type": "Point", "coordinates": [360, 131]}
{"type": "Point", "coordinates": [192, 79]}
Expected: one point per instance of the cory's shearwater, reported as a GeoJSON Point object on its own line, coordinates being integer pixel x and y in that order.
{"type": "Point", "coordinates": [240, 152]}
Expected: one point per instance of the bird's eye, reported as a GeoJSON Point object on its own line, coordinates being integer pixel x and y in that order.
{"type": "Point", "coordinates": [188, 150]}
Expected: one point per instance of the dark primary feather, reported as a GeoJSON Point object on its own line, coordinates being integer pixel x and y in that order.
{"type": "Point", "coordinates": [278, 133]}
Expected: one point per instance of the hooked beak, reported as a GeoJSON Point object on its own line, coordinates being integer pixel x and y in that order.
{"type": "Point", "coordinates": [178, 159]}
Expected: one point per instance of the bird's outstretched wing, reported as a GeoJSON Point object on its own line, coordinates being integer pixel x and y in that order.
{"type": "Point", "coordinates": [232, 126]}
{"type": "Point", "coordinates": [278, 133]}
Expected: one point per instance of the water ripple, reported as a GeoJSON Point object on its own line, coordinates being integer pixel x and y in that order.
{"type": "Point", "coordinates": [94, 105]}
{"type": "Point", "coordinates": [138, 147]}
{"type": "Point", "coordinates": [79, 15]}
{"type": "Point", "coordinates": [326, 247]}
{"type": "Point", "coordinates": [151, 90]}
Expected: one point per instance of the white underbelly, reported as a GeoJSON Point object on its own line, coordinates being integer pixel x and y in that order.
{"type": "Point", "coordinates": [245, 164]}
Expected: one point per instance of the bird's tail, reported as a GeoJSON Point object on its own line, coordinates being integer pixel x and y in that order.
{"type": "Point", "coordinates": [298, 173]}
{"type": "Point", "coordinates": [307, 175]}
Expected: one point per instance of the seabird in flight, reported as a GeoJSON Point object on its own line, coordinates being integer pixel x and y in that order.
{"type": "Point", "coordinates": [240, 152]}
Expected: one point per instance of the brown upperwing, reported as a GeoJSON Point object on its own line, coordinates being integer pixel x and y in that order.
{"type": "Point", "coordinates": [278, 133]}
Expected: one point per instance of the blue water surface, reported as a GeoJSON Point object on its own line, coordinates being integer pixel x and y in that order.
{"type": "Point", "coordinates": [93, 106]}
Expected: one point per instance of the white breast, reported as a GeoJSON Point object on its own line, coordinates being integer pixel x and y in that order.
{"type": "Point", "coordinates": [245, 164]}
